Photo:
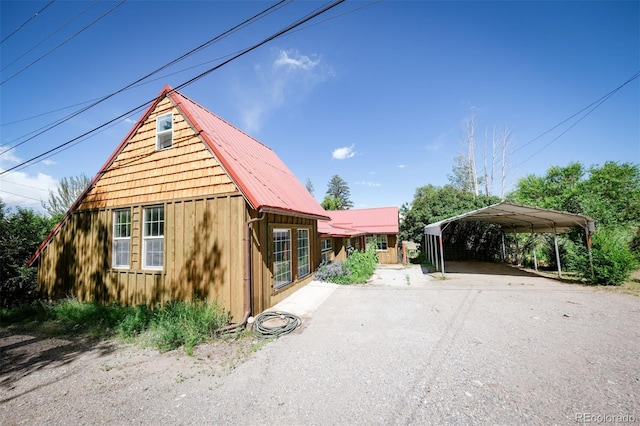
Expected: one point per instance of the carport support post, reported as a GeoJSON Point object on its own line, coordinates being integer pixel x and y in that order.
{"type": "Point", "coordinates": [515, 237]}
{"type": "Point", "coordinates": [442, 255]}
{"type": "Point", "coordinates": [555, 243]}
{"type": "Point", "coordinates": [533, 245]}
{"type": "Point", "coordinates": [504, 250]}
{"type": "Point", "coordinates": [593, 274]}
{"type": "Point", "coordinates": [435, 251]}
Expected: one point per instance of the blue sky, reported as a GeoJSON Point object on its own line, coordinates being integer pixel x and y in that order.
{"type": "Point", "coordinates": [376, 92]}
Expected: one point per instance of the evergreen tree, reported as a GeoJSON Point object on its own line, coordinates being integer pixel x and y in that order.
{"type": "Point", "coordinates": [339, 190]}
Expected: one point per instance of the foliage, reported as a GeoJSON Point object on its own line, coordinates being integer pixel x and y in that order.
{"type": "Point", "coordinates": [610, 193]}
{"type": "Point", "coordinates": [20, 234]}
{"type": "Point", "coordinates": [167, 327]}
{"type": "Point", "coordinates": [69, 189]}
{"type": "Point", "coordinates": [309, 186]}
{"type": "Point", "coordinates": [613, 260]}
{"type": "Point", "coordinates": [331, 203]}
{"type": "Point", "coordinates": [431, 204]}
{"type": "Point", "coordinates": [338, 189]}
{"type": "Point", "coordinates": [356, 269]}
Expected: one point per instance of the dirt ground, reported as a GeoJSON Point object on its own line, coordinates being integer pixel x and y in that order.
{"type": "Point", "coordinates": [72, 380]}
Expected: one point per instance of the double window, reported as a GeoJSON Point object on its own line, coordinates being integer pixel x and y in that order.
{"type": "Point", "coordinates": [378, 241]}
{"type": "Point", "coordinates": [164, 131]}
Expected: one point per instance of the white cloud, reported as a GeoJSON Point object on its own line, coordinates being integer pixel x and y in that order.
{"type": "Point", "coordinates": [369, 184]}
{"type": "Point", "coordinates": [344, 152]}
{"type": "Point", "coordinates": [402, 166]}
{"type": "Point", "coordinates": [48, 162]}
{"type": "Point", "coordinates": [290, 77]}
{"type": "Point", "coordinates": [20, 189]}
{"type": "Point", "coordinates": [294, 60]}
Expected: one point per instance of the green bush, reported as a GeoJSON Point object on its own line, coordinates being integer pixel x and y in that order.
{"type": "Point", "coordinates": [356, 269]}
{"type": "Point", "coordinates": [613, 260]}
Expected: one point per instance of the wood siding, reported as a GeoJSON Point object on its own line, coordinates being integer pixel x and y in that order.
{"type": "Point", "coordinates": [204, 257]}
{"type": "Point", "coordinates": [142, 175]}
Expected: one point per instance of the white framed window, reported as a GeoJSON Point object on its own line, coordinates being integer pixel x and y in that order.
{"type": "Point", "coordinates": [121, 247]}
{"type": "Point", "coordinates": [281, 258]}
{"type": "Point", "coordinates": [379, 241]}
{"type": "Point", "coordinates": [164, 131]}
{"type": "Point", "coordinates": [304, 264]}
{"type": "Point", "coordinates": [153, 238]}
{"type": "Point", "coordinates": [325, 250]}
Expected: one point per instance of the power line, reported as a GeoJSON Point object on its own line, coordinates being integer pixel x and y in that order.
{"type": "Point", "coordinates": [65, 42]}
{"type": "Point", "coordinates": [27, 21]}
{"type": "Point", "coordinates": [598, 101]}
{"type": "Point", "coordinates": [224, 34]}
{"type": "Point", "coordinates": [593, 106]}
{"type": "Point", "coordinates": [173, 73]}
{"type": "Point", "coordinates": [50, 35]}
{"type": "Point", "coordinates": [20, 195]}
{"type": "Point", "coordinates": [194, 79]}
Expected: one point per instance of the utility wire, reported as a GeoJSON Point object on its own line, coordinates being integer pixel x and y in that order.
{"type": "Point", "coordinates": [593, 106]}
{"type": "Point", "coordinates": [237, 27]}
{"type": "Point", "coordinates": [50, 35]}
{"type": "Point", "coordinates": [27, 21]}
{"type": "Point", "coordinates": [64, 42]}
{"type": "Point", "coordinates": [194, 79]}
{"type": "Point", "coordinates": [598, 101]}
{"type": "Point", "coordinates": [164, 76]}
{"type": "Point", "coordinates": [19, 195]}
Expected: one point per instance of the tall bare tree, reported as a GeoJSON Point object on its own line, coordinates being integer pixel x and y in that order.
{"type": "Point", "coordinates": [69, 189]}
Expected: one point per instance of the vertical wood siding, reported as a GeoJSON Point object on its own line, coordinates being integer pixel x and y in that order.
{"type": "Point", "coordinates": [203, 257]}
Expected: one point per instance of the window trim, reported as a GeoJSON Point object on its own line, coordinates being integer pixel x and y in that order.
{"type": "Point", "coordinates": [115, 238]}
{"type": "Point", "coordinates": [307, 255]}
{"type": "Point", "coordinates": [150, 238]}
{"type": "Point", "coordinates": [280, 285]}
{"type": "Point", "coordinates": [378, 239]}
{"type": "Point", "coordinates": [163, 131]}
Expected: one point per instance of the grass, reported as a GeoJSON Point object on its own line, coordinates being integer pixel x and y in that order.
{"type": "Point", "coordinates": [166, 327]}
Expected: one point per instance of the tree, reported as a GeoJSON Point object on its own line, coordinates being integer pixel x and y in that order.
{"type": "Point", "coordinates": [309, 186]}
{"type": "Point", "coordinates": [69, 189]}
{"type": "Point", "coordinates": [331, 203]}
{"type": "Point", "coordinates": [339, 190]}
{"type": "Point", "coordinates": [20, 234]}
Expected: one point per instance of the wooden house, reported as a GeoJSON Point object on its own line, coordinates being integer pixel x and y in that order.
{"type": "Point", "coordinates": [187, 207]}
{"type": "Point", "coordinates": [358, 229]}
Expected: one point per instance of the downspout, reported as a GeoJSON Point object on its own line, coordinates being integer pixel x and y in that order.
{"type": "Point", "coordinates": [247, 276]}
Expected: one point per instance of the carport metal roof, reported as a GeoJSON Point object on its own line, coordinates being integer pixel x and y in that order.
{"type": "Point", "coordinates": [520, 219]}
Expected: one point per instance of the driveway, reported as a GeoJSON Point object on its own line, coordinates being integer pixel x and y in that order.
{"type": "Point", "coordinates": [501, 346]}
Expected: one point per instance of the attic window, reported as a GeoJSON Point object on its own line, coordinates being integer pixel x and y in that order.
{"type": "Point", "coordinates": [164, 131]}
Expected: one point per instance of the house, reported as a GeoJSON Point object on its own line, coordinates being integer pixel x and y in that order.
{"type": "Point", "coordinates": [358, 228]}
{"type": "Point", "coordinates": [187, 207]}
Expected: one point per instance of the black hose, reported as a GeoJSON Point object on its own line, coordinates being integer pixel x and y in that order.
{"type": "Point", "coordinates": [285, 321]}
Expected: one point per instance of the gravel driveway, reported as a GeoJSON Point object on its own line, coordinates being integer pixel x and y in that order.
{"type": "Point", "coordinates": [498, 346]}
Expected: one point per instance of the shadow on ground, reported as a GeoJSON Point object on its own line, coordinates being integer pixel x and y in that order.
{"type": "Point", "coordinates": [24, 354]}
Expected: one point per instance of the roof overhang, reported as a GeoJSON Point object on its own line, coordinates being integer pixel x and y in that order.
{"type": "Point", "coordinates": [520, 219]}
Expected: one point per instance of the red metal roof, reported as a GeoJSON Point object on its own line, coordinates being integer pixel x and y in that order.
{"type": "Point", "coordinates": [344, 223]}
{"type": "Point", "coordinates": [262, 177]}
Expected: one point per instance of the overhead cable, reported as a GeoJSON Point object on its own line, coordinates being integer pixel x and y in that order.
{"type": "Point", "coordinates": [194, 79]}
{"type": "Point", "coordinates": [27, 21]}
{"type": "Point", "coordinates": [157, 70]}
{"type": "Point", "coordinates": [64, 42]}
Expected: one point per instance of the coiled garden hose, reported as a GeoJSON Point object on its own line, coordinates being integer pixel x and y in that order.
{"type": "Point", "coordinates": [281, 323]}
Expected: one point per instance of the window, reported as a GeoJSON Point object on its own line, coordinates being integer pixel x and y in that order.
{"type": "Point", "coordinates": [325, 249]}
{"type": "Point", "coordinates": [121, 238]}
{"type": "Point", "coordinates": [164, 131]}
{"type": "Point", "coordinates": [281, 257]}
{"type": "Point", "coordinates": [153, 238]}
{"type": "Point", "coordinates": [303, 253]}
{"type": "Point", "coordinates": [380, 241]}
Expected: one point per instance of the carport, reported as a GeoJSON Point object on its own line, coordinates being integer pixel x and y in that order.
{"type": "Point", "coordinates": [515, 218]}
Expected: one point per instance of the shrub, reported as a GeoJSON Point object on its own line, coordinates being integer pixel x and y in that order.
{"type": "Point", "coordinates": [356, 269]}
{"type": "Point", "coordinates": [613, 260]}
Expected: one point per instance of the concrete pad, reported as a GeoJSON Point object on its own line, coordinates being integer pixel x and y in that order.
{"type": "Point", "coordinates": [306, 300]}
